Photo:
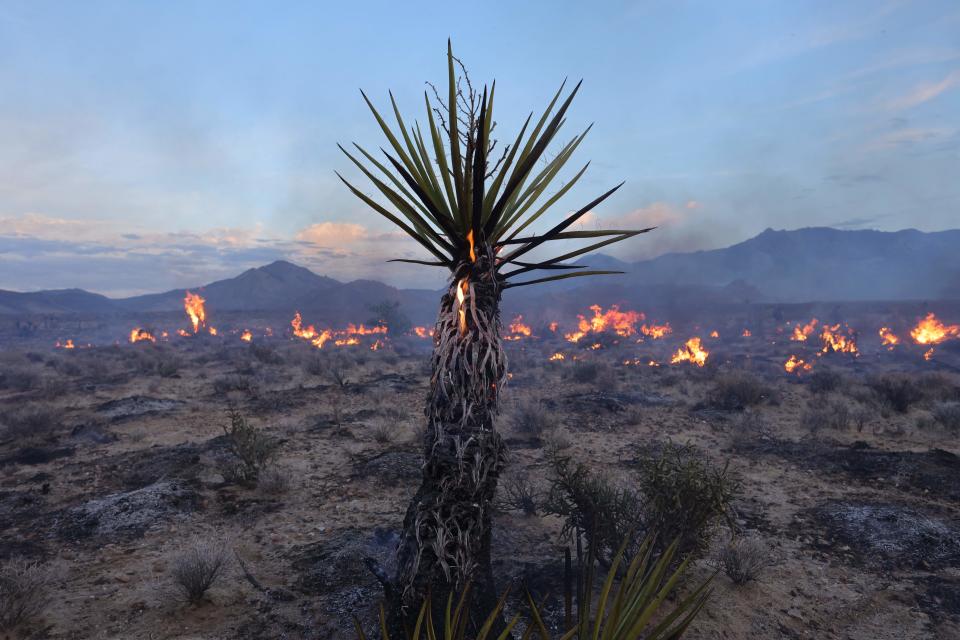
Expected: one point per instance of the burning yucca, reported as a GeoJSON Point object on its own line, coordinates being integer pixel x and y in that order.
{"type": "Point", "coordinates": [469, 212]}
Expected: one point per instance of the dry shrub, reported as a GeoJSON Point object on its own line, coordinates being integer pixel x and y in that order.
{"type": "Point", "coordinates": [744, 559]}
{"type": "Point", "coordinates": [275, 480]}
{"type": "Point", "coordinates": [32, 422]}
{"type": "Point", "coordinates": [315, 366]}
{"type": "Point", "coordinates": [737, 390]}
{"type": "Point", "coordinates": [383, 431]}
{"type": "Point", "coordinates": [19, 379]}
{"type": "Point", "coordinates": [24, 592]}
{"type": "Point", "coordinates": [896, 390]}
{"type": "Point", "coordinates": [198, 568]}
{"type": "Point", "coordinates": [834, 415]}
{"type": "Point", "coordinates": [234, 382]}
{"type": "Point", "coordinates": [518, 493]}
{"type": "Point", "coordinates": [265, 354]}
{"type": "Point", "coordinates": [584, 372]}
{"type": "Point", "coordinates": [824, 381]}
{"type": "Point", "coordinates": [947, 414]}
{"type": "Point", "coordinates": [530, 417]}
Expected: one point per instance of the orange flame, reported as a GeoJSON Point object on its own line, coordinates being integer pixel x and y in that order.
{"type": "Point", "coordinates": [212, 330]}
{"type": "Point", "coordinates": [352, 329]}
{"type": "Point", "coordinates": [297, 323]}
{"type": "Point", "coordinates": [623, 323]}
{"type": "Point", "coordinates": [931, 331]}
{"type": "Point", "coordinates": [246, 336]}
{"type": "Point", "coordinates": [473, 255]}
{"type": "Point", "coordinates": [553, 326]}
{"type": "Point", "coordinates": [800, 334]}
{"type": "Point", "coordinates": [422, 332]}
{"type": "Point", "coordinates": [928, 354]}
{"type": "Point", "coordinates": [319, 339]}
{"type": "Point", "coordinates": [193, 305]}
{"type": "Point", "coordinates": [376, 345]}
{"type": "Point", "coordinates": [746, 333]}
{"type": "Point", "coordinates": [462, 289]}
{"type": "Point", "coordinates": [557, 356]}
{"type": "Point", "coordinates": [66, 345]}
{"type": "Point", "coordinates": [833, 340]}
{"type": "Point", "coordinates": [796, 364]}
{"type": "Point", "coordinates": [141, 335]}
{"type": "Point", "coordinates": [714, 334]}
{"type": "Point", "coordinates": [656, 331]}
{"type": "Point", "coordinates": [888, 338]}
{"type": "Point", "coordinates": [343, 342]}
{"type": "Point", "coordinates": [182, 332]}
{"type": "Point", "coordinates": [692, 352]}
{"type": "Point", "coordinates": [519, 330]}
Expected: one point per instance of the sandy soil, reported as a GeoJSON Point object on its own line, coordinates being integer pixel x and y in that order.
{"type": "Point", "coordinates": [863, 524]}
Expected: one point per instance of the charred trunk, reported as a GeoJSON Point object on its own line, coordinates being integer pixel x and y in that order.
{"type": "Point", "coordinates": [446, 538]}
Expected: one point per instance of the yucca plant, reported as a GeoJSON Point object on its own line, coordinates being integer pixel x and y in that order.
{"type": "Point", "coordinates": [629, 610]}
{"type": "Point", "coordinates": [473, 217]}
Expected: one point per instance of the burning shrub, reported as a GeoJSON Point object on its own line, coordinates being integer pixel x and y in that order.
{"type": "Point", "coordinates": [252, 448]}
{"type": "Point", "coordinates": [530, 417]}
{"type": "Point", "coordinates": [592, 506]}
{"type": "Point", "coordinates": [198, 568]}
{"type": "Point", "coordinates": [736, 390]}
{"type": "Point", "coordinates": [518, 493]}
{"type": "Point", "coordinates": [32, 421]}
{"type": "Point", "coordinates": [897, 391]}
{"type": "Point", "coordinates": [823, 381]}
{"type": "Point", "coordinates": [947, 414]}
{"type": "Point", "coordinates": [24, 592]}
{"type": "Point", "coordinates": [684, 497]}
{"type": "Point", "coordinates": [744, 559]}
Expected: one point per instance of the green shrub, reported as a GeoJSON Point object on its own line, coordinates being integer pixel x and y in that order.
{"type": "Point", "coordinates": [685, 496]}
{"type": "Point", "coordinates": [252, 449]}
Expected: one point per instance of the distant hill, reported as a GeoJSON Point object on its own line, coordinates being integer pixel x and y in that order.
{"type": "Point", "coordinates": [814, 264]}
{"type": "Point", "coordinates": [54, 301]}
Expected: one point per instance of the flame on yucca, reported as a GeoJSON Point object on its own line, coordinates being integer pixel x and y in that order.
{"type": "Point", "coordinates": [193, 304]}
{"type": "Point", "coordinates": [692, 352]}
{"type": "Point", "coordinates": [623, 323]}
{"type": "Point", "coordinates": [462, 289]}
{"type": "Point", "coordinates": [141, 335]}
{"type": "Point", "coordinates": [246, 336]}
{"type": "Point", "coordinates": [795, 364]}
{"type": "Point", "coordinates": [833, 340]}
{"type": "Point", "coordinates": [888, 338]}
{"type": "Point", "coordinates": [800, 334]}
{"type": "Point", "coordinates": [931, 330]}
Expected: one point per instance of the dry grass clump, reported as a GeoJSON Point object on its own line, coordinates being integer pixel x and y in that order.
{"type": "Point", "coordinates": [20, 378]}
{"type": "Point", "coordinates": [275, 480]}
{"type": "Point", "coordinates": [744, 559]}
{"type": "Point", "coordinates": [24, 592]}
{"type": "Point", "coordinates": [383, 431]}
{"type": "Point", "coordinates": [737, 390]}
{"type": "Point", "coordinates": [197, 568]}
{"type": "Point", "coordinates": [234, 382]}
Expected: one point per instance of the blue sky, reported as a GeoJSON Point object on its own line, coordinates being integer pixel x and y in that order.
{"type": "Point", "coordinates": [155, 145]}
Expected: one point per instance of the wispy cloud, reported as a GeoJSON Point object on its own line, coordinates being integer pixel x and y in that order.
{"type": "Point", "coordinates": [924, 92]}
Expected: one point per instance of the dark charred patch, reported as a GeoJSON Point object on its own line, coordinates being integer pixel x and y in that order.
{"type": "Point", "coordinates": [935, 471]}
{"type": "Point", "coordinates": [137, 406]}
{"type": "Point", "coordinates": [389, 467]}
{"type": "Point", "coordinates": [36, 455]}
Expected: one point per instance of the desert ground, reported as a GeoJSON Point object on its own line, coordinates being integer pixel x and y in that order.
{"type": "Point", "coordinates": [114, 462]}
